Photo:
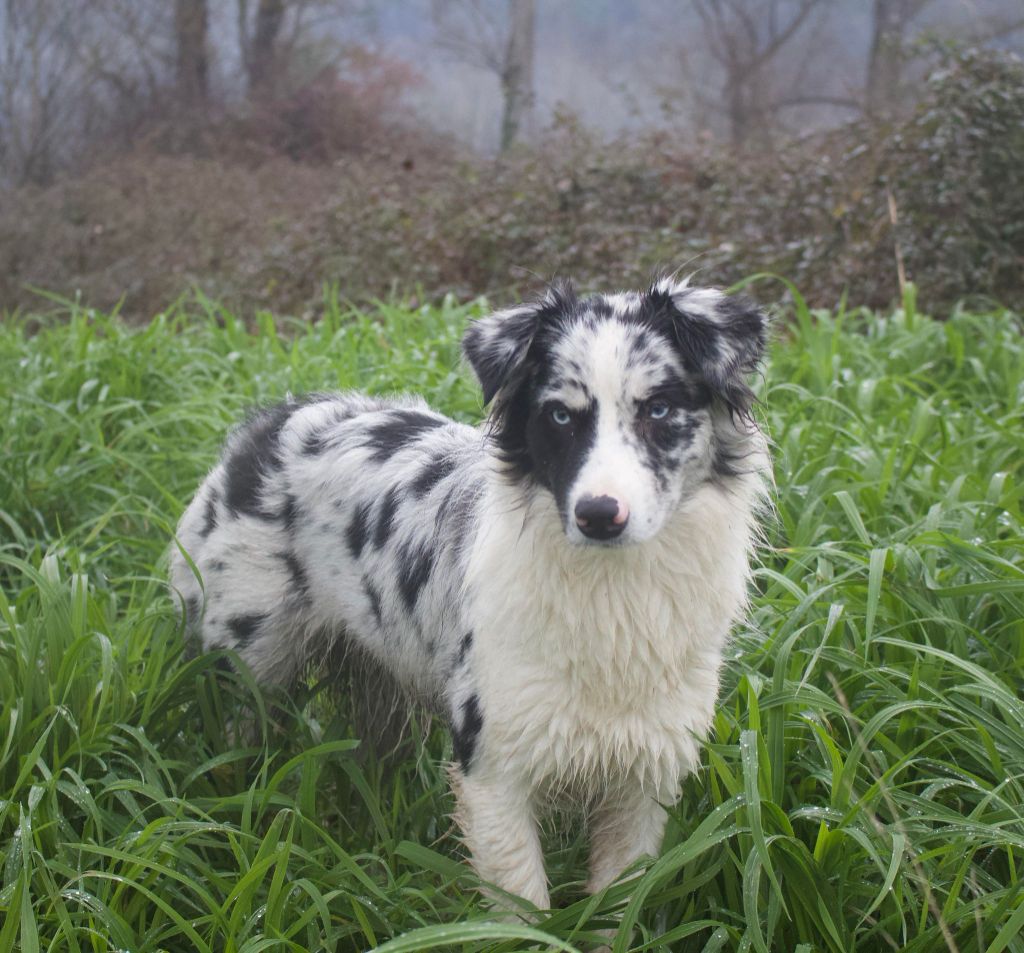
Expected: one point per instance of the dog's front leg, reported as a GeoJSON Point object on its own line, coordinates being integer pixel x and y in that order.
{"type": "Point", "coordinates": [499, 827]}
{"type": "Point", "coordinates": [623, 829]}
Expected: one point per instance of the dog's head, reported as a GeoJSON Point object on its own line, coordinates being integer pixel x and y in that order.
{"type": "Point", "coordinates": [620, 405]}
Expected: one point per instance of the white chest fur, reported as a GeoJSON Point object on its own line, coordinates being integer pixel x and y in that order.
{"type": "Point", "coordinates": [600, 665]}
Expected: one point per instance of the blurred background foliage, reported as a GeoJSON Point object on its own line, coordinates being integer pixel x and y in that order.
{"type": "Point", "coordinates": [259, 149]}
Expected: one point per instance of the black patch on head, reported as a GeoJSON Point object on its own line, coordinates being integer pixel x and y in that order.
{"type": "Point", "coordinates": [244, 627]}
{"type": "Point", "coordinates": [599, 307]}
{"type": "Point", "coordinates": [414, 567]}
{"type": "Point", "coordinates": [557, 453]}
{"type": "Point", "coordinates": [358, 530]}
{"type": "Point", "coordinates": [209, 515]}
{"type": "Point", "coordinates": [386, 518]}
{"type": "Point", "coordinates": [398, 429]}
{"type": "Point", "coordinates": [516, 425]}
{"type": "Point", "coordinates": [255, 453]}
{"type": "Point", "coordinates": [297, 572]}
{"type": "Point", "coordinates": [640, 343]}
{"type": "Point", "coordinates": [465, 732]}
{"type": "Point", "coordinates": [433, 472]}
{"type": "Point", "coordinates": [373, 596]}
{"type": "Point", "coordinates": [723, 350]}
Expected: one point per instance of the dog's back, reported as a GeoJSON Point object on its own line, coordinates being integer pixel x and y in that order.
{"type": "Point", "coordinates": [329, 519]}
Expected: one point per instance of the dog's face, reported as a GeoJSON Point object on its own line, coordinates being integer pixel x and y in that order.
{"type": "Point", "coordinates": [620, 405]}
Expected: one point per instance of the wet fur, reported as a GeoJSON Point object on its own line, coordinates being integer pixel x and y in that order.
{"type": "Point", "coordinates": [567, 668]}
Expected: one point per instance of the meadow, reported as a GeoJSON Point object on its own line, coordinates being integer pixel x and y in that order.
{"type": "Point", "coordinates": [864, 788]}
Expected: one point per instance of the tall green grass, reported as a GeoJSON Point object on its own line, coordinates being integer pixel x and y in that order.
{"type": "Point", "coordinates": [864, 789]}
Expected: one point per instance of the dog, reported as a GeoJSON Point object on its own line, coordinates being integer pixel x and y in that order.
{"type": "Point", "coordinates": [559, 582]}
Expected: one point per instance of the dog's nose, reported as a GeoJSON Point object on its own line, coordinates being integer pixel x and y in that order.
{"type": "Point", "coordinates": [601, 517]}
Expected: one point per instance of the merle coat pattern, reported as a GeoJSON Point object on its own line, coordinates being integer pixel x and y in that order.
{"type": "Point", "coordinates": [560, 582]}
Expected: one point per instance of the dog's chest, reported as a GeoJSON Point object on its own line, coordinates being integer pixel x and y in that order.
{"type": "Point", "coordinates": [598, 667]}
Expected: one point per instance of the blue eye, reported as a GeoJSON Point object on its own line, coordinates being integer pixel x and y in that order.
{"type": "Point", "coordinates": [561, 416]}
{"type": "Point", "coordinates": [658, 409]}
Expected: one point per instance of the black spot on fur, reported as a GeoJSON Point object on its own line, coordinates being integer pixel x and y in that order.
{"type": "Point", "coordinates": [598, 307]}
{"type": "Point", "coordinates": [193, 609]}
{"type": "Point", "coordinates": [289, 511]}
{"type": "Point", "coordinates": [218, 565]}
{"type": "Point", "coordinates": [315, 443]}
{"type": "Point", "coordinates": [414, 568]}
{"type": "Point", "coordinates": [725, 463]}
{"type": "Point", "coordinates": [373, 595]}
{"type": "Point", "coordinates": [209, 515]}
{"type": "Point", "coordinates": [399, 429]}
{"type": "Point", "coordinates": [455, 513]}
{"type": "Point", "coordinates": [255, 453]}
{"type": "Point", "coordinates": [325, 436]}
{"type": "Point", "coordinates": [433, 472]}
{"type": "Point", "coordinates": [464, 646]}
{"type": "Point", "coordinates": [299, 579]}
{"type": "Point", "coordinates": [358, 530]}
{"type": "Point", "coordinates": [244, 627]}
{"type": "Point", "coordinates": [386, 518]}
{"type": "Point", "coordinates": [465, 732]}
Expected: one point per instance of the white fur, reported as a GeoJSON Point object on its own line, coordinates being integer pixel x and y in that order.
{"type": "Point", "coordinates": [571, 670]}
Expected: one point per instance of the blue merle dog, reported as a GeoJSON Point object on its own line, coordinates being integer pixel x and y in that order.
{"type": "Point", "coordinates": [559, 582]}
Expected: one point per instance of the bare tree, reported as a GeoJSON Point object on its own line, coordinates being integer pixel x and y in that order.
{"type": "Point", "coordinates": [40, 87]}
{"type": "Point", "coordinates": [517, 77]}
{"type": "Point", "coordinates": [745, 38]}
{"type": "Point", "coordinates": [275, 36]}
{"type": "Point", "coordinates": [890, 21]}
{"type": "Point", "coordinates": [260, 46]}
{"type": "Point", "coordinates": [191, 22]}
{"type": "Point", "coordinates": [501, 42]}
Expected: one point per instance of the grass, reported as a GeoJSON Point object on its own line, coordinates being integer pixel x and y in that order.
{"type": "Point", "coordinates": [865, 786]}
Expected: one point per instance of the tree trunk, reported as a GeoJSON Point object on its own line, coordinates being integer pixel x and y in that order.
{"type": "Point", "coordinates": [885, 61]}
{"type": "Point", "coordinates": [190, 26]}
{"type": "Point", "coordinates": [517, 76]}
{"type": "Point", "coordinates": [262, 65]}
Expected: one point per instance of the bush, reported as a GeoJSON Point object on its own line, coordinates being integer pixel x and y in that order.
{"type": "Point", "coordinates": [404, 212]}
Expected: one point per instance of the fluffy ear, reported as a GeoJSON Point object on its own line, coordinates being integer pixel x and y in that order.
{"type": "Point", "coordinates": [496, 346]}
{"type": "Point", "coordinates": [721, 337]}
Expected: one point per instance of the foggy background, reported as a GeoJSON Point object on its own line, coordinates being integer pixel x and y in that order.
{"type": "Point", "coordinates": [96, 93]}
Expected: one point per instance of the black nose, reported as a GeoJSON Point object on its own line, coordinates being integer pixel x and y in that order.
{"type": "Point", "coordinates": [598, 517]}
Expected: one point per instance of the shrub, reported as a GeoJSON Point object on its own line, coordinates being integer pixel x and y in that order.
{"type": "Point", "coordinates": [402, 211]}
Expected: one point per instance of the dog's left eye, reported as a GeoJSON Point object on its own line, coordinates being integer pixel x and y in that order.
{"type": "Point", "coordinates": [658, 409]}
{"type": "Point", "coordinates": [561, 416]}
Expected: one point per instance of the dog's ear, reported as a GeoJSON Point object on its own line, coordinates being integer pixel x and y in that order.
{"type": "Point", "coordinates": [496, 346]}
{"type": "Point", "coordinates": [721, 337]}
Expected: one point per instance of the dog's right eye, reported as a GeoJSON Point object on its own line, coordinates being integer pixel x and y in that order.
{"type": "Point", "coordinates": [561, 416]}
